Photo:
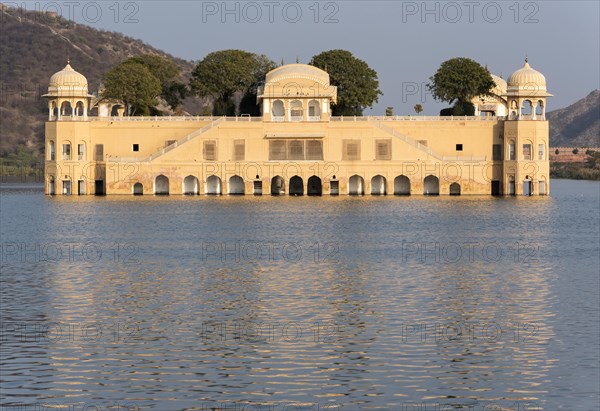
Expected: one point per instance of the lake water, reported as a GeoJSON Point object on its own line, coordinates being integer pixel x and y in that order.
{"type": "Point", "coordinates": [261, 303]}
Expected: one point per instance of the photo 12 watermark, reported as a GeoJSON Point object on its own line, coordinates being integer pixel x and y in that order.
{"type": "Point", "coordinates": [67, 252]}
{"type": "Point", "coordinates": [453, 12]}
{"type": "Point", "coordinates": [87, 12]}
{"type": "Point", "coordinates": [253, 12]}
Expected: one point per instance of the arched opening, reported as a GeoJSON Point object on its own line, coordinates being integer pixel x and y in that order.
{"type": "Point", "coordinates": [66, 109]}
{"type": "Point", "coordinates": [66, 151]}
{"type": "Point", "coordinates": [314, 110]}
{"type": "Point", "coordinates": [80, 109]}
{"type": "Point", "coordinates": [277, 110]}
{"type": "Point", "coordinates": [51, 186]}
{"type": "Point", "coordinates": [356, 186]}
{"type": "Point", "coordinates": [539, 109]}
{"type": "Point", "coordinates": [542, 187]}
{"type": "Point", "coordinates": [81, 151]}
{"type": "Point", "coordinates": [315, 187]}
{"type": "Point", "coordinates": [236, 186]}
{"type": "Point", "coordinates": [161, 186]}
{"type": "Point", "coordinates": [378, 186]}
{"type": "Point", "coordinates": [511, 186]}
{"type": "Point", "coordinates": [511, 150]}
{"type": "Point", "coordinates": [296, 110]}
{"type": "Point", "coordinates": [213, 185]}
{"type": "Point", "coordinates": [191, 186]}
{"type": "Point", "coordinates": [527, 187]}
{"type": "Point", "coordinates": [454, 189]}
{"type": "Point", "coordinates": [431, 186]}
{"type": "Point", "coordinates": [402, 186]}
{"type": "Point", "coordinates": [51, 151]}
{"type": "Point", "coordinates": [296, 186]}
{"type": "Point", "coordinates": [114, 110]}
{"type": "Point", "coordinates": [53, 111]}
{"type": "Point", "coordinates": [527, 109]}
{"type": "Point", "coordinates": [138, 189]}
{"type": "Point", "coordinates": [277, 186]}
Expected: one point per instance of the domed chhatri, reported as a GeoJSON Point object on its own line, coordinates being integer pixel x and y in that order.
{"type": "Point", "coordinates": [68, 95]}
{"type": "Point", "coordinates": [68, 82]}
{"type": "Point", "coordinates": [526, 94]}
{"type": "Point", "coordinates": [527, 81]}
{"type": "Point", "coordinates": [297, 92]}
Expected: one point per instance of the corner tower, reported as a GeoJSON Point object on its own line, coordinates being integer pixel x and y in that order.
{"type": "Point", "coordinates": [526, 133]}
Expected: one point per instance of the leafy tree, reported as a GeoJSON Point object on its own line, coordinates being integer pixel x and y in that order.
{"type": "Point", "coordinates": [557, 151]}
{"type": "Point", "coordinates": [357, 83]}
{"type": "Point", "coordinates": [263, 65]}
{"type": "Point", "coordinates": [389, 112]}
{"type": "Point", "coordinates": [575, 151]}
{"type": "Point", "coordinates": [418, 108]}
{"type": "Point", "coordinates": [222, 74]}
{"type": "Point", "coordinates": [167, 72]}
{"type": "Point", "coordinates": [458, 81]}
{"type": "Point", "coordinates": [134, 84]}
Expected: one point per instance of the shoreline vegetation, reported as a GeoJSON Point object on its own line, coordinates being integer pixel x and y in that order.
{"type": "Point", "coordinates": [27, 164]}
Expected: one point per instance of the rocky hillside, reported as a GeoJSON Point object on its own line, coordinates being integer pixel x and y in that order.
{"type": "Point", "coordinates": [577, 125]}
{"type": "Point", "coordinates": [33, 46]}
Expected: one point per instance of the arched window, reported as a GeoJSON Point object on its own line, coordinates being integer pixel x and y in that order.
{"type": "Point", "coordinates": [402, 186]}
{"type": "Point", "coordinates": [511, 150]}
{"type": "Point", "coordinates": [541, 151]}
{"type": "Point", "coordinates": [81, 151]}
{"type": "Point", "coordinates": [51, 151]}
{"type": "Point", "coordinates": [66, 151]}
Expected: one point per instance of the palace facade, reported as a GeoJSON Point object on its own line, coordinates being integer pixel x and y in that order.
{"type": "Point", "coordinates": [297, 147]}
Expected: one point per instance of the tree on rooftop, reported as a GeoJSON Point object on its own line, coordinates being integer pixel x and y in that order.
{"type": "Point", "coordinates": [457, 81]}
{"type": "Point", "coordinates": [167, 72]}
{"type": "Point", "coordinates": [357, 83]}
{"type": "Point", "coordinates": [134, 84]}
{"type": "Point", "coordinates": [223, 74]}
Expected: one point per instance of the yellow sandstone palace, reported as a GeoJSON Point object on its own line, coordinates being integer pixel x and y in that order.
{"type": "Point", "coordinates": [297, 147]}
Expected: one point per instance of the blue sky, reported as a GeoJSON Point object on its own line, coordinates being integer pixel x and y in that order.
{"type": "Point", "coordinates": [404, 41]}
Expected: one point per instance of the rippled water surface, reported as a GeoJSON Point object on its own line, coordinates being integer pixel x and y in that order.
{"type": "Point", "coordinates": [251, 303]}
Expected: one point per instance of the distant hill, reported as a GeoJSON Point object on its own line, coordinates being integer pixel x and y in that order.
{"type": "Point", "coordinates": [35, 45]}
{"type": "Point", "coordinates": [577, 125]}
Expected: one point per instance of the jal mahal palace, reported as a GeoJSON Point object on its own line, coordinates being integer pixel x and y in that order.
{"type": "Point", "coordinates": [296, 147]}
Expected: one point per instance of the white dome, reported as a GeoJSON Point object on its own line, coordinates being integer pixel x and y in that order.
{"type": "Point", "coordinates": [68, 83]}
{"type": "Point", "coordinates": [527, 81]}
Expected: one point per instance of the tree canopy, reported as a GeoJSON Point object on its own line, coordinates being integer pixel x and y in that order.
{"type": "Point", "coordinates": [357, 83]}
{"type": "Point", "coordinates": [134, 84]}
{"type": "Point", "coordinates": [222, 74]}
{"type": "Point", "coordinates": [167, 72]}
{"type": "Point", "coordinates": [457, 81]}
